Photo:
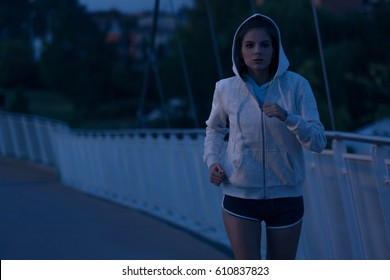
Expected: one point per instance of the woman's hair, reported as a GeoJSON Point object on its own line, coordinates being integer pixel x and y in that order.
{"type": "Point", "coordinates": [254, 23]}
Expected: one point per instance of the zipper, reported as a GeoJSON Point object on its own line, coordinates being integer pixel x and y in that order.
{"type": "Point", "coordinates": [262, 130]}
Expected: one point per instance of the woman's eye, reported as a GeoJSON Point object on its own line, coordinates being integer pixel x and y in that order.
{"type": "Point", "coordinates": [266, 45]}
{"type": "Point", "coordinates": [249, 46]}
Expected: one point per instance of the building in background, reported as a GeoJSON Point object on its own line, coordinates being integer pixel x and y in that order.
{"type": "Point", "coordinates": [130, 33]}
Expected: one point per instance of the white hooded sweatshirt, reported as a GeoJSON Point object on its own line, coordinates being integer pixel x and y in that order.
{"type": "Point", "coordinates": [264, 157]}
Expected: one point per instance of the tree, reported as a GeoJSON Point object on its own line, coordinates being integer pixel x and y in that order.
{"type": "Point", "coordinates": [14, 18]}
{"type": "Point", "coordinates": [17, 67]}
{"type": "Point", "coordinates": [75, 60]}
{"type": "Point", "coordinates": [195, 34]}
{"type": "Point", "coordinates": [357, 56]}
{"type": "Point", "coordinates": [355, 49]}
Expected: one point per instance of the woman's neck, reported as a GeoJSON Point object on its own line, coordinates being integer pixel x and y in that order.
{"type": "Point", "coordinates": [260, 77]}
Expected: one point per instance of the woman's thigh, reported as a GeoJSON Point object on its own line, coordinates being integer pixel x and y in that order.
{"type": "Point", "coordinates": [244, 236]}
{"type": "Point", "coordinates": [282, 243]}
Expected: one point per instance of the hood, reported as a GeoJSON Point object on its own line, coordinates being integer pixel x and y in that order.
{"type": "Point", "coordinates": [282, 63]}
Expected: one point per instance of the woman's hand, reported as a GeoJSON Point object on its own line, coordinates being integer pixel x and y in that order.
{"type": "Point", "coordinates": [273, 110]}
{"type": "Point", "coordinates": [217, 174]}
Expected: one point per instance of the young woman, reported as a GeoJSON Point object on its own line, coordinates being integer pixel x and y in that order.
{"type": "Point", "coordinates": [271, 113]}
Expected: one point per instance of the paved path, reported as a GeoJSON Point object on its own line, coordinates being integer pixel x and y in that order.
{"type": "Point", "coordinates": [42, 219]}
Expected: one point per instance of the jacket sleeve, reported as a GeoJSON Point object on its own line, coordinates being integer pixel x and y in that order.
{"type": "Point", "coordinates": [216, 130]}
{"type": "Point", "coordinates": [307, 125]}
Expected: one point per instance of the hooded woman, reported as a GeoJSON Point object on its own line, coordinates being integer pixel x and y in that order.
{"type": "Point", "coordinates": [271, 113]}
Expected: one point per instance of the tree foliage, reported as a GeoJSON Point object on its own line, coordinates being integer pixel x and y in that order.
{"type": "Point", "coordinates": [355, 50]}
{"type": "Point", "coordinates": [76, 62]}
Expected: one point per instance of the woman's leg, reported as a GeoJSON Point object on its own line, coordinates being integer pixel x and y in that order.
{"type": "Point", "coordinates": [282, 243]}
{"type": "Point", "coordinates": [244, 236]}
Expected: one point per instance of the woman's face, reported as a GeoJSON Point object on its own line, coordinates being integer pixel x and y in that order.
{"type": "Point", "coordinates": [257, 50]}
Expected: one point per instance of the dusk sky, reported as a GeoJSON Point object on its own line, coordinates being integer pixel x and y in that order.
{"type": "Point", "coordinates": [132, 5]}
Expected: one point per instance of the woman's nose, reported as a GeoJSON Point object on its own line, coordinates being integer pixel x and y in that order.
{"type": "Point", "coordinates": [257, 50]}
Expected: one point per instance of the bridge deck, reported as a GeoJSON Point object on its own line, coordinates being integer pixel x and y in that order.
{"type": "Point", "coordinates": [42, 219]}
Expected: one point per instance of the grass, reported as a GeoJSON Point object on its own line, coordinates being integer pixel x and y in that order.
{"type": "Point", "coordinates": [40, 102]}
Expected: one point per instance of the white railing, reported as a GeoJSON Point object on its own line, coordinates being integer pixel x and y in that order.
{"type": "Point", "coordinates": [348, 205]}
{"type": "Point", "coordinates": [28, 137]}
{"type": "Point", "coordinates": [161, 172]}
